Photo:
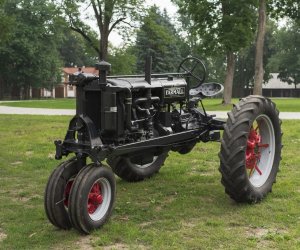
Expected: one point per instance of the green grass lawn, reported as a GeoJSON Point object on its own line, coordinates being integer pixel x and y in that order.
{"type": "Point", "coordinates": [182, 207]}
{"type": "Point", "coordinates": [59, 103]}
{"type": "Point", "coordinates": [284, 105]}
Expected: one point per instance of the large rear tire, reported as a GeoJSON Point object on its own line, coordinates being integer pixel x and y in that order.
{"type": "Point", "coordinates": [125, 169]}
{"type": "Point", "coordinates": [57, 192]}
{"type": "Point", "coordinates": [251, 149]}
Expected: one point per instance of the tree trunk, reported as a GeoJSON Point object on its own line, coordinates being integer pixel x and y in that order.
{"type": "Point", "coordinates": [1, 89]}
{"type": "Point", "coordinates": [15, 92]}
{"type": "Point", "coordinates": [104, 46]}
{"type": "Point", "coordinates": [229, 78]}
{"type": "Point", "coordinates": [27, 92]}
{"type": "Point", "coordinates": [259, 67]}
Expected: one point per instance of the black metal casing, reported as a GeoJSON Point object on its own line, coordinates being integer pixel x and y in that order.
{"type": "Point", "coordinates": [119, 115]}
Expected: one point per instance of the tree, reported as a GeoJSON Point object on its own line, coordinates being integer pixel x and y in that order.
{"type": "Point", "coordinates": [259, 69]}
{"type": "Point", "coordinates": [30, 57]}
{"type": "Point", "coordinates": [6, 23]}
{"type": "Point", "coordinates": [275, 8]}
{"type": "Point", "coordinates": [75, 50]}
{"type": "Point", "coordinates": [222, 26]}
{"type": "Point", "coordinates": [245, 72]}
{"type": "Point", "coordinates": [123, 61]}
{"type": "Point", "coordinates": [191, 45]}
{"type": "Point", "coordinates": [109, 14]}
{"type": "Point", "coordinates": [287, 59]}
{"type": "Point", "coordinates": [157, 37]}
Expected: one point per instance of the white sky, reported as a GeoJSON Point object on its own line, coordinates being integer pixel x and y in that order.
{"type": "Point", "coordinates": [163, 4]}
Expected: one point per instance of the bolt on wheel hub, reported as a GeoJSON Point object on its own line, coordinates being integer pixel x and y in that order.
{"type": "Point", "coordinates": [260, 150]}
{"type": "Point", "coordinates": [95, 198]}
{"type": "Point", "coordinates": [253, 151]}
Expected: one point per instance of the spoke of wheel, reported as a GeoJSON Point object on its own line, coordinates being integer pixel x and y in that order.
{"type": "Point", "coordinates": [251, 172]}
{"type": "Point", "coordinates": [257, 169]}
{"type": "Point", "coordinates": [184, 68]}
{"type": "Point", "coordinates": [196, 77]}
{"type": "Point", "coordinates": [194, 66]}
{"type": "Point", "coordinates": [96, 188]}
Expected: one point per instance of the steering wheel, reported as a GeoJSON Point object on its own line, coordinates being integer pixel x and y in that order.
{"type": "Point", "coordinates": [195, 68]}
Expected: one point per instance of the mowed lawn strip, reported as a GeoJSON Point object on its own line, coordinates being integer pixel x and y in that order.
{"type": "Point", "coordinates": [58, 103]}
{"type": "Point", "coordinates": [283, 104]}
{"type": "Point", "coordinates": [182, 207]}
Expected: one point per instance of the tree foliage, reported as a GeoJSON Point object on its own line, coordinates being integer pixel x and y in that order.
{"type": "Point", "coordinates": [30, 57]}
{"type": "Point", "coordinates": [6, 23]}
{"type": "Point", "coordinates": [245, 72]}
{"type": "Point", "coordinates": [221, 26]}
{"type": "Point", "coordinates": [287, 58]}
{"type": "Point", "coordinates": [157, 37]}
{"type": "Point", "coordinates": [123, 61]}
{"type": "Point", "coordinates": [109, 14]}
{"type": "Point", "coordinates": [276, 9]}
{"type": "Point", "coordinates": [75, 50]}
{"type": "Point", "coordinates": [284, 8]}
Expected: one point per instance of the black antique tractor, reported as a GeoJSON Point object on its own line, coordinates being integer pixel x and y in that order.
{"type": "Point", "coordinates": [133, 121]}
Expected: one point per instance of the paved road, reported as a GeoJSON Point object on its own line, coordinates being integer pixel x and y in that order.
{"type": "Point", "coordinates": [35, 111]}
{"type": "Point", "coordinates": [39, 111]}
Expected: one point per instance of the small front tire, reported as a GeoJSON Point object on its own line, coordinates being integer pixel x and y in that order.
{"type": "Point", "coordinates": [92, 198]}
{"type": "Point", "coordinates": [57, 192]}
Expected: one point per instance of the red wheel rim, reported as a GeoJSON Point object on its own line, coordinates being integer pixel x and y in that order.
{"type": "Point", "coordinates": [260, 150]}
{"type": "Point", "coordinates": [67, 192]}
{"type": "Point", "coordinates": [253, 151]}
{"type": "Point", "coordinates": [95, 198]}
{"type": "Point", "coordinates": [99, 199]}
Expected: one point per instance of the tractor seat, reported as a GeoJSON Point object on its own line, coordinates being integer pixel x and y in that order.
{"type": "Point", "coordinates": [207, 89]}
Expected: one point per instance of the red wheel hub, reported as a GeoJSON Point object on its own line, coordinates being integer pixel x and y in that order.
{"type": "Point", "coordinates": [253, 151]}
{"type": "Point", "coordinates": [95, 198]}
{"type": "Point", "coordinates": [67, 192]}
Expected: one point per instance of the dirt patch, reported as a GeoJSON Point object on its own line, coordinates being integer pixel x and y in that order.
{"type": "Point", "coordinates": [261, 233]}
{"type": "Point", "coordinates": [16, 163]}
{"type": "Point", "coordinates": [201, 172]}
{"type": "Point", "coordinates": [158, 208]}
{"type": "Point", "coordinates": [188, 224]}
{"type": "Point", "coordinates": [207, 199]}
{"type": "Point", "coordinates": [257, 232]}
{"type": "Point", "coordinates": [120, 246]}
{"type": "Point", "coordinates": [51, 156]}
{"type": "Point", "coordinates": [84, 242]}
{"type": "Point", "coordinates": [22, 199]}
{"type": "Point", "coordinates": [146, 224]}
{"type": "Point", "coordinates": [26, 198]}
{"type": "Point", "coordinates": [3, 235]}
{"type": "Point", "coordinates": [29, 153]}
{"type": "Point", "coordinates": [117, 246]}
{"type": "Point", "coordinates": [207, 173]}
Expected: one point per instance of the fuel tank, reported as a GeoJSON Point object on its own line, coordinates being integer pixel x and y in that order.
{"type": "Point", "coordinates": [168, 89]}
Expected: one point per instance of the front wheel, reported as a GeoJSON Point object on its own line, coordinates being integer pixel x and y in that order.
{"type": "Point", "coordinates": [92, 198]}
{"type": "Point", "coordinates": [57, 192]}
{"type": "Point", "coordinates": [251, 149]}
